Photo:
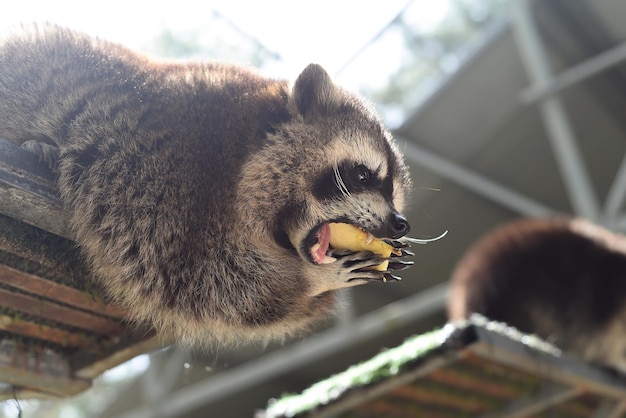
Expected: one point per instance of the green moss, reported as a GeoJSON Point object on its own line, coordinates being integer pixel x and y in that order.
{"type": "Point", "coordinates": [388, 363]}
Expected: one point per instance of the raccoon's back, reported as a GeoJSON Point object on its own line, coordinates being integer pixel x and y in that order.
{"type": "Point", "coordinates": [542, 276]}
{"type": "Point", "coordinates": [48, 75]}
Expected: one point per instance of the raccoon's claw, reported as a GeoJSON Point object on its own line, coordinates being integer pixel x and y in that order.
{"type": "Point", "coordinates": [367, 276]}
{"type": "Point", "coordinates": [356, 262]}
{"type": "Point", "coordinates": [397, 244]}
{"type": "Point", "coordinates": [399, 265]}
{"type": "Point", "coordinates": [403, 252]}
{"type": "Point", "coordinates": [376, 276]}
{"type": "Point", "coordinates": [388, 277]}
{"type": "Point", "coordinates": [339, 253]}
{"type": "Point", "coordinates": [358, 266]}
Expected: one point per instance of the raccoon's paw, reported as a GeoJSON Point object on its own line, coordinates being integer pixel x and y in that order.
{"type": "Point", "coordinates": [44, 152]}
{"type": "Point", "coordinates": [359, 266]}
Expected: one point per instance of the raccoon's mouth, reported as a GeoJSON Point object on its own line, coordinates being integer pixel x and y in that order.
{"type": "Point", "coordinates": [318, 243]}
{"type": "Point", "coordinates": [318, 251]}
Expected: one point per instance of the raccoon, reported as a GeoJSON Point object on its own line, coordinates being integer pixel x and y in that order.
{"type": "Point", "coordinates": [562, 279]}
{"type": "Point", "coordinates": [201, 193]}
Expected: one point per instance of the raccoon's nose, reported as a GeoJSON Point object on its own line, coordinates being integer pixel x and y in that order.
{"type": "Point", "coordinates": [398, 226]}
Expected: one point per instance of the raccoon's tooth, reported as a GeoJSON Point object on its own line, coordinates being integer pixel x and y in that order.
{"type": "Point", "coordinates": [399, 265]}
{"type": "Point", "coordinates": [369, 238]}
{"type": "Point", "coordinates": [314, 250]}
{"type": "Point", "coordinates": [327, 260]}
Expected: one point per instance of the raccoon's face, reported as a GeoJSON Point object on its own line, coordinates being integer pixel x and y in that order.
{"type": "Point", "coordinates": [354, 191]}
{"type": "Point", "coordinates": [352, 171]}
{"type": "Point", "coordinates": [357, 178]}
{"type": "Point", "coordinates": [333, 162]}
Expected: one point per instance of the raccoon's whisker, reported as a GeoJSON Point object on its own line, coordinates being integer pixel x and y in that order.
{"type": "Point", "coordinates": [421, 240]}
{"type": "Point", "coordinates": [340, 183]}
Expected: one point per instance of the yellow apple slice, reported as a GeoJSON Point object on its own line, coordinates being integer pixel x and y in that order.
{"type": "Point", "coordinates": [349, 237]}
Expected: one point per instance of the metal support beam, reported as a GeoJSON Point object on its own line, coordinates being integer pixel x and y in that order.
{"type": "Point", "coordinates": [475, 182]}
{"type": "Point", "coordinates": [165, 368]}
{"type": "Point", "coordinates": [617, 194]}
{"type": "Point", "coordinates": [558, 126]}
{"type": "Point", "coordinates": [319, 346]}
{"type": "Point", "coordinates": [576, 74]}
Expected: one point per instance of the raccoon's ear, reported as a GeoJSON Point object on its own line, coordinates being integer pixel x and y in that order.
{"type": "Point", "coordinates": [314, 92]}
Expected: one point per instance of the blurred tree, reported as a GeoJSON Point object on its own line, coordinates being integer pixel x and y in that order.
{"type": "Point", "coordinates": [220, 39]}
{"type": "Point", "coordinates": [431, 52]}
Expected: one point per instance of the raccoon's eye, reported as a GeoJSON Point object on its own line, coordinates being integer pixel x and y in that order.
{"type": "Point", "coordinates": [362, 174]}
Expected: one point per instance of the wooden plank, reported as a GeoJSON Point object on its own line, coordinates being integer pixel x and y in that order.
{"type": "Point", "coordinates": [43, 371]}
{"type": "Point", "coordinates": [382, 408]}
{"type": "Point", "coordinates": [54, 385]}
{"type": "Point", "coordinates": [7, 394]}
{"type": "Point", "coordinates": [44, 332]}
{"type": "Point", "coordinates": [120, 354]}
{"type": "Point", "coordinates": [357, 397]}
{"type": "Point", "coordinates": [423, 395]}
{"type": "Point", "coordinates": [478, 384]}
{"type": "Point", "coordinates": [52, 290]}
{"type": "Point", "coordinates": [495, 347]}
{"type": "Point", "coordinates": [609, 409]}
{"type": "Point", "coordinates": [28, 193]}
{"type": "Point", "coordinates": [52, 311]}
{"type": "Point", "coordinates": [385, 409]}
{"type": "Point", "coordinates": [522, 380]}
{"type": "Point", "coordinates": [548, 396]}
{"type": "Point", "coordinates": [581, 407]}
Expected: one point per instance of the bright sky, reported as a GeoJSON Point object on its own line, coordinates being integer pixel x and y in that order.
{"type": "Point", "coordinates": [328, 32]}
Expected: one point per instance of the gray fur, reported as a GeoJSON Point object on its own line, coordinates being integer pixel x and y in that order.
{"type": "Point", "coordinates": [190, 184]}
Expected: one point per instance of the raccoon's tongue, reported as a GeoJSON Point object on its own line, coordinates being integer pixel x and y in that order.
{"type": "Point", "coordinates": [319, 249]}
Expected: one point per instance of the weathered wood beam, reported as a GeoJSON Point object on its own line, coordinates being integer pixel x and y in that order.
{"type": "Point", "coordinates": [52, 290]}
{"type": "Point", "coordinates": [53, 311]}
{"type": "Point", "coordinates": [40, 371]}
{"type": "Point", "coordinates": [28, 192]}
